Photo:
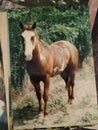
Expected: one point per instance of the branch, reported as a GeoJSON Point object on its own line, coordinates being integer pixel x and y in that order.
{"type": "Point", "coordinates": [35, 2]}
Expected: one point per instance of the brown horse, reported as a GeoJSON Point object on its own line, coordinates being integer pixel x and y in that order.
{"type": "Point", "coordinates": [45, 61]}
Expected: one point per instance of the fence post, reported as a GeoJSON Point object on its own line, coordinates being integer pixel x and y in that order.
{"type": "Point", "coordinates": [4, 39]}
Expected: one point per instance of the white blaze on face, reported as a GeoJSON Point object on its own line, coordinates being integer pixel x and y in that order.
{"type": "Point", "coordinates": [29, 46]}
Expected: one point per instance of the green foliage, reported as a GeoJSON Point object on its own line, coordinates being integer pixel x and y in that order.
{"type": "Point", "coordinates": [17, 55]}
{"type": "Point", "coordinates": [61, 31]}
{"type": "Point", "coordinates": [70, 22]}
{"type": "Point", "coordinates": [83, 43]}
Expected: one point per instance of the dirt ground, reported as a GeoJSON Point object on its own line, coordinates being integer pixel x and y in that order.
{"type": "Point", "coordinates": [83, 111]}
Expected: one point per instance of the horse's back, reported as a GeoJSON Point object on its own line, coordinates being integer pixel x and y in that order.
{"type": "Point", "coordinates": [65, 44]}
{"type": "Point", "coordinates": [67, 48]}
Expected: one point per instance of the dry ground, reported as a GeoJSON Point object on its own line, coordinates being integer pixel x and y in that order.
{"type": "Point", "coordinates": [83, 111]}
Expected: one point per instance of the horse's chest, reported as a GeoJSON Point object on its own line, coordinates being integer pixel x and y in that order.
{"type": "Point", "coordinates": [35, 69]}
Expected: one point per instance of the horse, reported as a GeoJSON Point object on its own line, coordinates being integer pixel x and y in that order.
{"type": "Point", "coordinates": [44, 61]}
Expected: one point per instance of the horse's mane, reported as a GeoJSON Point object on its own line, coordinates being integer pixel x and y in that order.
{"type": "Point", "coordinates": [36, 34]}
{"type": "Point", "coordinates": [43, 43]}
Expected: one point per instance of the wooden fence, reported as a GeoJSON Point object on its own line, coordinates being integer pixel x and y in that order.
{"type": "Point", "coordinates": [4, 43]}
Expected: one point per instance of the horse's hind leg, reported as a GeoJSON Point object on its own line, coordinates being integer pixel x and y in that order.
{"type": "Point", "coordinates": [69, 80]}
{"type": "Point", "coordinates": [66, 78]}
{"type": "Point", "coordinates": [71, 88]}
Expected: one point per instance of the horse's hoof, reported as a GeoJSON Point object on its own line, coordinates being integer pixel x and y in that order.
{"type": "Point", "coordinates": [45, 114]}
{"type": "Point", "coordinates": [41, 113]}
{"type": "Point", "coordinates": [70, 101]}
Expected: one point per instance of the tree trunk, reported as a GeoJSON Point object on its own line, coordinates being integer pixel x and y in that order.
{"type": "Point", "coordinates": [95, 50]}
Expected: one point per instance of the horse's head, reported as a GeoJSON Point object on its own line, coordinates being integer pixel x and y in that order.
{"type": "Point", "coordinates": [29, 37]}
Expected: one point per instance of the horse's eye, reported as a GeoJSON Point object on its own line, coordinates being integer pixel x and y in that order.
{"type": "Point", "coordinates": [32, 38]}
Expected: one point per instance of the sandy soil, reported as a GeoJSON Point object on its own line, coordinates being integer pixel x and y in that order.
{"type": "Point", "coordinates": [83, 111]}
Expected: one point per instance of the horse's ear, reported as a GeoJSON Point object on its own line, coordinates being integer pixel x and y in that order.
{"type": "Point", "coordinates": [21, 25]}
{"type": "Point", "coordinates": [34, 25]}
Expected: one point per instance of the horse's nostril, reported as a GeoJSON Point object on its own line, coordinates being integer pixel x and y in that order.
{"type": "Point", "coordinates": [28, 57]}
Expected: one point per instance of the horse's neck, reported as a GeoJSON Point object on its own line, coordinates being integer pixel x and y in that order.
{"type": "Point", "coordinates": [36, 51]}
{"type": "Point", "coordinates": [40, 49]}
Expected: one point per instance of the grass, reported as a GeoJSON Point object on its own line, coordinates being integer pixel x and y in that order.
{"type": "Point", "coordinates": [85, 101]}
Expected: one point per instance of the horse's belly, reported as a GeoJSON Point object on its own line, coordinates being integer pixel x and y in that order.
{"type": "Point", "coordinates": [35, 71]}
{"type": "Point", "coordinates": [58, 69]}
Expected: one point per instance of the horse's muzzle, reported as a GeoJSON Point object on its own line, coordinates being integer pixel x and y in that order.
{"type": "Point", "coordinates": [28, 57]}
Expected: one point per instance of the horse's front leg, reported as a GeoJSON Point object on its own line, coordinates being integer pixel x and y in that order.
{"type": "Point", "coordinates": [46, 91]}
{"type": "Point", "coordinates": [38, 94]}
